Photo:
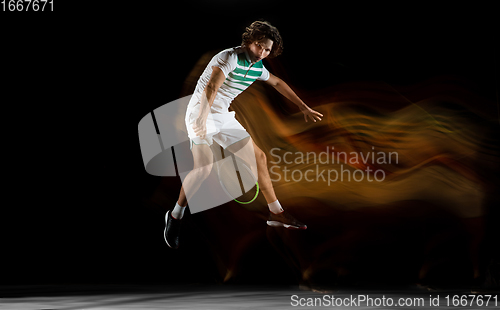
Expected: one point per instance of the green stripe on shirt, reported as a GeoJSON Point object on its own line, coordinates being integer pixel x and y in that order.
{"type": "Point", "coordinates": [248, 72]}
{"type": "Point", "coordinates": [233, 87]}
{"type": "Point", "coordinates": [246, 84]}
{"type": "Point", "coordinates": [240, 78]}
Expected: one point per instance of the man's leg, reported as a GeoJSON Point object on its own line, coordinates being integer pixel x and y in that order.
{"type": "Point", "coordinates": [249, 152]}
{"type": "Point", "coordinates": [203, 161]}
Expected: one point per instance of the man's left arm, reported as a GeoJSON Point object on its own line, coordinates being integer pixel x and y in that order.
{"type": "Point", "coordinates": [286, 91]}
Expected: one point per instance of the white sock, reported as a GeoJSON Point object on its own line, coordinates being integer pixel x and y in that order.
{"type": "Point", "coordinates": [275, 207]}
{"type": "Point", "coordinates": [178, 211]}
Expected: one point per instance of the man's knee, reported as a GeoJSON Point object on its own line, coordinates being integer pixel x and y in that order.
{"type": "Point", "coordinates": [203, 171]}
{"type": "Point", "coordinates": [203, 160]}
{"type": "Point", "coordinates": [260, 156]}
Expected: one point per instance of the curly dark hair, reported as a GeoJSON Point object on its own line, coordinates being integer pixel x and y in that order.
{"type": "Point", "coordinates": [259, 30]}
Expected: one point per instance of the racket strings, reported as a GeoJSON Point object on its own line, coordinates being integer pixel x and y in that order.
{"type": "Point", "coordinates": [236, 178]}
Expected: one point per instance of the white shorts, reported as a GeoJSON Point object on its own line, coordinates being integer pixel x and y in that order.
{"type": "Point", "coordinates": [222, 128]}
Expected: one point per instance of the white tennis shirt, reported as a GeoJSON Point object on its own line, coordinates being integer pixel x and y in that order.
{"type": "Point", "coordinates": [240, 73]}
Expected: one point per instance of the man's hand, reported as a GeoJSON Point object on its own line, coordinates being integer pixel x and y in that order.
{"type": "Point", "coordinates": [200, 127]}
{"type": "Point", "coordinates": [286, 91]}
{"type": "Point", "coordinates": [310, 113]}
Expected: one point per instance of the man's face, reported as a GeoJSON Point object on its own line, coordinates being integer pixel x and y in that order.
{"type": "Point", "coordinates": [259, 50]}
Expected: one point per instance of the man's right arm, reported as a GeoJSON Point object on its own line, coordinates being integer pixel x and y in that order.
{"type": "Point", "coordinates": [207, 99]}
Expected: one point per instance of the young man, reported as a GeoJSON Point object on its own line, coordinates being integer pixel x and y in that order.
{"type": "Point", "coordinates": [227, 75]}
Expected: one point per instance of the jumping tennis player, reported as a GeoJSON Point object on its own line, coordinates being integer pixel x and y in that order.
{"type": "Point", "coordinates": [227, 75]}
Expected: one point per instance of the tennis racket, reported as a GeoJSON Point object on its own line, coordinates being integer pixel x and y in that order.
{"type": "Point", "coordinates": [236, 178]}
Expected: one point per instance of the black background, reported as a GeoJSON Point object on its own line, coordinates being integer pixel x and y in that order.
{"type": "Point", "coordinates": [77, 81]}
